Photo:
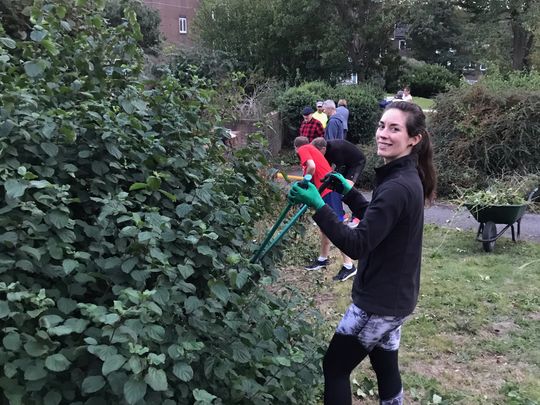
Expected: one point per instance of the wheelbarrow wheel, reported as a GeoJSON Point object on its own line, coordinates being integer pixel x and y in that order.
{"type": "Point", "coordinates": [489, 233]}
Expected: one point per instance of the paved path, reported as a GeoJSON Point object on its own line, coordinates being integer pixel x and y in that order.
{"type": "Point", "coordinates": [449, 215]}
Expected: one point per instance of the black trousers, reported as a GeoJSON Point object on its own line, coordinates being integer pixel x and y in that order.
{"type": "Point", "coordinates": [343, 354]}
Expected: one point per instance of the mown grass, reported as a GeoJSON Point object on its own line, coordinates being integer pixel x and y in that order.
{"type": "Point", "coordinates": [425, 103]}
{"type": "Point", "coordinates": [475, 335]}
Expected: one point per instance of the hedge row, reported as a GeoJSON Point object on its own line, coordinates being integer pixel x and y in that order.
{"type": "Point", "coordinates": [362, 102]}
{"type": "Point", "coordinates": [125, 235]}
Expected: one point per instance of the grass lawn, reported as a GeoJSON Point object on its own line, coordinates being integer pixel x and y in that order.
{"type": "Point", "coordinates": [475, 335]}
{"type": "Point", "coordinates": [425, 103]}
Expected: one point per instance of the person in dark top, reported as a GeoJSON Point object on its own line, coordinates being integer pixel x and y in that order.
{"type": "Point", "coordinates": [388, 244]}
{"type": "Point", "coordinates": [344, 155]}
{"type": "Point", "coordinates": [310, 127]}
{"type": "Point", "coordinates": [347, 160]}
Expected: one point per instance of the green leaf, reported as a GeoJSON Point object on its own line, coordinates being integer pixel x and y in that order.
{"type": "Point", "coordinates": [57, 362]}
{"type": "Point", "coordinates": [52, 398]}
{"type": "Point", "coordinates": [50, 149]}
{"type": "Point", "coordinates": [4, 309]}
{"type": "Point", "coordinates": [183, 371]}
{"type": "Point", "coordinates": [221, 291]}
{"type": "Point", "coordinates": [203, 396]}
{"type": "Point", "coordinates": [66, 305]}
{"type": "Point", "coordinates": [205, 250]}
{"type": "Point", "coordinates": [240, 352]}
{"type": "Point", "coordinates": [183, 209]}
{"type": "Point", "coordinates": [35, 253]}
{"type": "Point", "coordinates": [35, 372]}
{"type": "Point", "coordinates": [134, 391]}
{"type": "Point", "coordinates": [112, 363]}
{"type": "Point", "coordinates": [92, 384]}
{"type": "Point", "coordinates": [156, 379]}
{"type": "Point", "coordinates": [15, 188]}
{"type": "Point", "coordinates": [153, 183]}
{"type": "Point", "coordinates": [129, 264]}
{"type": "Point", "coordinates": [192, 303]}
{"type": "Point", "coordinates": [58, 219]}
{"type": "Point", "coordinates": [60, 11]}
{"type": "Point", "coordinates": [113, 150]}
{"type": "Point", "coordinates": [8, 42]}
{"type": "Point", "coordinates": [38, 35]}
{"type": "Point", "coordinates": [12, 341]}
{"type": "Point", "coordinates": [10, 237]}
{"type": "Point", "coordinates": [137, 186]}
{"type": "Point", "coordinates": [34, 68]}
{"type": "Point", "coordinates": [69, 265]}
{"type": "Point", "coordinates": [6, 128]}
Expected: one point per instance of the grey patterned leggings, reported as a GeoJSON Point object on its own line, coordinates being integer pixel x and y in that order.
{"type": "Point", "coordinates": [358, 335]}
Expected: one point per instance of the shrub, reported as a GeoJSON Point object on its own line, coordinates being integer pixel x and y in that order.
{"type": "Point", "coordinates": [364, 111]}
{"type": "Point", "coordinates": [428, 80]}
{"type": "Point", "coordinates": [361, 102]}
{"type": "Point", "coordinates": [148, 19]}
{"type": "Point", "coordinates": [480, 133]}
{"type": "Point", "coordinates": [125, 233]}
{"type": "Point", "coordinates": [290, 106]}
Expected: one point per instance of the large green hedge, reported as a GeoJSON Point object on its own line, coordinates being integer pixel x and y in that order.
{"type": "Point", "coordinates": [481, 132]}
{"type": "Point", "coordinates": [125, 234]}
{"type": "Point", "coordinates": [362, 104]}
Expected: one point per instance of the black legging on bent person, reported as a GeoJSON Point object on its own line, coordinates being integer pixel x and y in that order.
{"type": "Point", "coordinates": [343, 355]}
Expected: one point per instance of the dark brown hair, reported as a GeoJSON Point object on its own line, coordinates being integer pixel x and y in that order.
{"type": "Point", "coordinates": [416, 125]}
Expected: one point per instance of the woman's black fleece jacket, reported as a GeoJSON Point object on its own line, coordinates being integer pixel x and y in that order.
{"type": "Point", "coordinates": [387, 241]}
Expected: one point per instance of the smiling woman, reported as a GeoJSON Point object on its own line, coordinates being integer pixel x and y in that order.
{"type": "Point", "coordinates": [388, 244]}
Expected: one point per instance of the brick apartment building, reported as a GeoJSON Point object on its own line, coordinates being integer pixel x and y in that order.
{"type": "Point", "coordinates": [176, 18]}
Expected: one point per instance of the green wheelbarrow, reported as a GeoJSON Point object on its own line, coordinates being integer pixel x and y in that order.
{"type": "Point", "coordinates": [489, 216]}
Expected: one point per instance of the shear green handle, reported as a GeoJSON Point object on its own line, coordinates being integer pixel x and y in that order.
{"type": "Point", "coordinates": [267, 243]}
{"type": "Point", "coordinates": [263, 249]}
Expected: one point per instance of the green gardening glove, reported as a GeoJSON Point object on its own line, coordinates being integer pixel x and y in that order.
{"type": "Point", "coordinates": [306, 193]}
{"type": "Point", "coordinates": [337, 183]}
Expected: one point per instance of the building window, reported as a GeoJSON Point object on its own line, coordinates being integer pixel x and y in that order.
{"type": "Point", "coordinates": [182, 25]}
{"type": "Point", "coordinates": [402, 45]}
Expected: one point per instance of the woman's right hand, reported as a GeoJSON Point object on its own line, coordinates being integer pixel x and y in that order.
{"type": "Point", "coordinates": [338, 183]}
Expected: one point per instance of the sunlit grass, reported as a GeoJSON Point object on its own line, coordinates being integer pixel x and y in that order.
{"type": "Point", "coordinates": [475, 335]}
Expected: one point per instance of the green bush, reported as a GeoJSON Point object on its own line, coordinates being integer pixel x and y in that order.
{"type": "Point", "coordinates": [290, 106]}
{"type": "Point", "coordinates": [481, 133]}
{"type": "Point", "coordinates": [364, 110]}
{"type": "Point", "coordinates": [125, 234]}
{"type": "Point", "coordinates": [428, 80]}
{"type": "Point", "coordinates": [361, 102]}
{"type": "Point", "coordinates": [147, 17]}
{"type": "Point", "coordinates": [512, 80]}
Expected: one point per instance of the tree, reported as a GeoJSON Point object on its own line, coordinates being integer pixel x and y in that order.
{"type": "Point", "coordinates": [290, 40]}
{"type": "Point", "coordinates": [365, 27]}
{"type": "Point", "coordinates": [148, 19]}
{"type": "Point", "coordinates": [436, 32]}
{"type": "Point", "coordinates": [521, 17]}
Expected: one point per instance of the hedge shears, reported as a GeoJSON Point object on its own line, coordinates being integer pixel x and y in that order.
{"type": "Point", "coordinates": [268, 243]}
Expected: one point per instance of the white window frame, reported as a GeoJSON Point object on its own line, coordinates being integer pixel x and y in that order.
{"type": "Point", "coordinates": [182, 25]}
{"type": "Point", "coordinates": [402, 44]}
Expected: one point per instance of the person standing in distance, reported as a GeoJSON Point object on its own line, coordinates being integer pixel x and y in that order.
{"type": "Point", "coordinates": [334, 126]}
{"type": "Point", "coordinates": [320, 115]}
{"type": "Point", "coordinates": [343, 112]}
{"type": "Point", "coordinates": [310, 127]}
{"type": "Point", "coordinates": [388, 244]}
